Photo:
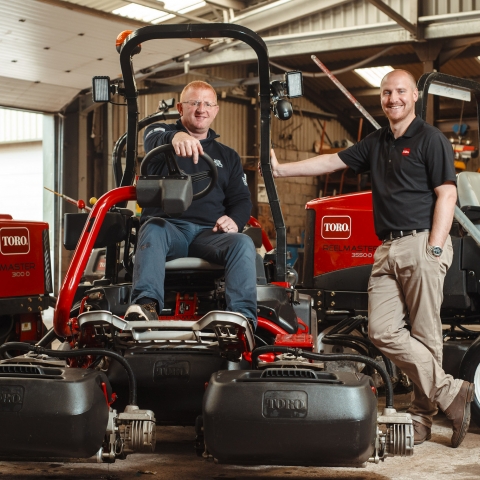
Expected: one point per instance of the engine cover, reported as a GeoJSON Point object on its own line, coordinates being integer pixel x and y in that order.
{"type": "Point", "coordinates": [24, 262]}
{"type": "Point", "coordinates": [51, 411]}
{"type": "Point", "coordinates": [290, 417]}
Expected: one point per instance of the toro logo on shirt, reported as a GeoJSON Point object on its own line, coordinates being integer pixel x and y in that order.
{"type": "Point", "coordinates": [14, 241]}
{"type": "Point", "coordinates": [336, 227]}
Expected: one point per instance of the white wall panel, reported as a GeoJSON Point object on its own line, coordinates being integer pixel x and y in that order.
{"type": "Point", "coordinates": [21, 181]}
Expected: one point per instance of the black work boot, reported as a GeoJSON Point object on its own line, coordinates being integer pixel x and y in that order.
{"type": "Point", "coordinates": [142, 313]}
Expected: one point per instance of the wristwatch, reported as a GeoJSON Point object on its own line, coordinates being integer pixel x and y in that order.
{"type": "Point", "coordinates": [435, 251]}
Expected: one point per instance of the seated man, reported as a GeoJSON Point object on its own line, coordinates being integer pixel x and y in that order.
{"type": "Point", "coordinates": [209, 228]}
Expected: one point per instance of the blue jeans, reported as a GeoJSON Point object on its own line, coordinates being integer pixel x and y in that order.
{"type": "Point", "coordinates": [161, 240]}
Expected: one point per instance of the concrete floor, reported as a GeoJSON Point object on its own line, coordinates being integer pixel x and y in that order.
{"type": "Point", "coordinates": [175, 459]}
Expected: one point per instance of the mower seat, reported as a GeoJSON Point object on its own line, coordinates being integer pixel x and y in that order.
{"type": "Point", "coordinates": [468, 188]}
{"type": "Point", "coordinates": [191, 263]}
{"type": "Point", "coordinates": [187, 265]}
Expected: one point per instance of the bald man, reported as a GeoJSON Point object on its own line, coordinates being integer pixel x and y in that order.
{"type": "Point", "coordinates": [414, 194]}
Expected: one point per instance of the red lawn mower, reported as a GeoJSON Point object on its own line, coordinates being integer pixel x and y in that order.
{"type": "Point", "coordinates": [26, 279]}
{"type": "Point", "coordinates": [263, 397]}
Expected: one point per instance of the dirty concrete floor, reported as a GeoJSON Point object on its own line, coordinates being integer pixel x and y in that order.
{"type": "Point", "coordinates": [174, 459]}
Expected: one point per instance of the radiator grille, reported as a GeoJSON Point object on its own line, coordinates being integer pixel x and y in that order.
{"type": "Point", "coordinates": [29, 370]}
{"type": "Point", "coordinates": [288, 373]}
{"type": "Point", "coordinates": [23, 369]}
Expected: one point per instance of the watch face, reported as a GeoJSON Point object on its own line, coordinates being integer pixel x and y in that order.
{"type": "Point", "coordinates": [437, 251]}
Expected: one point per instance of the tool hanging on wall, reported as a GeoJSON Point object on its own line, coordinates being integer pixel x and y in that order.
{"type": "Point", "coordinates": [79, 203]}
{"type": "Point", "coordinates": [357, 104]}
{"type": "Point", "coordinates": [334, 79]}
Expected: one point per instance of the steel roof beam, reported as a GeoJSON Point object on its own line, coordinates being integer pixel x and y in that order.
{"type": "Point", "coordinates": [390, 12]}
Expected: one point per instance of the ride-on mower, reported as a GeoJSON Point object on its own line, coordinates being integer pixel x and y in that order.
{"type": "Point", "coordinates": [270, 397]}
{"type": "Point", "coordinates": [25, 277]}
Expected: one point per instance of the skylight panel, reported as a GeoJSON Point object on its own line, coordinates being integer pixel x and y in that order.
{"type": "Point", "coordinates": [373, 75]}
{"type": "Point", "coordinates": [152, 15]}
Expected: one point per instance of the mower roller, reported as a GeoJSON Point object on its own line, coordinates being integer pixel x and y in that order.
{"type": "Point", "coordinates": [255, 398]}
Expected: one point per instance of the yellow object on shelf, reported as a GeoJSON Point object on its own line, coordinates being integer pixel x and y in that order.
{"type": "Point", "coordinates": [459, 165]}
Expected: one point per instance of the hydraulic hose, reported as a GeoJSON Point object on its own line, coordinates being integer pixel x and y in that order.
{"type": "Point", "coordinates": [298, 352]}
{"type": "Point", "coordinates": [25, 347]}
{"type": "Point", "coordinates": [9, 329]}
{"type": "Point", "coordinates": [330, 339]}
{"type": "Point", "coordinates": [345, 343]}
{"type": "Point", "coordinates": [351, 322]}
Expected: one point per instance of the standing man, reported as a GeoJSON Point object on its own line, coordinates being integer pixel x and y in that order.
{"type": "Point", "coordinates": [209, 227]}
{"type": "Point", "coordinates": [414, 195]}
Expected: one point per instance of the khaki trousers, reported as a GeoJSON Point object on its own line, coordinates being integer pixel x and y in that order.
{"type": "Point", "coordinates": [407, 282]}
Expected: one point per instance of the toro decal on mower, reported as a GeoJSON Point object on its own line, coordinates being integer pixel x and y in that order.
{"type": "Point", "coordinates": [14, 241]}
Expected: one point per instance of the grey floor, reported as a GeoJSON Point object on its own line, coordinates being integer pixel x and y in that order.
{"type": "Point", "coordinates": [174, 458]}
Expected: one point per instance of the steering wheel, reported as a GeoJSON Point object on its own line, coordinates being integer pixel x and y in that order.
{"type": "Point", "coordinates": [174, 169]}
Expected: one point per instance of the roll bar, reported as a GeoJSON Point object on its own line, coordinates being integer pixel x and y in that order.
{"type": "Point", "coordinates": [216, 30]}
{"type": "Point", "coordinates": [427, 79]}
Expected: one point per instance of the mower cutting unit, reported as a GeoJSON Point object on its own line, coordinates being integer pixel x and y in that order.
{"type": "Point", "coordinates": [271, 397]}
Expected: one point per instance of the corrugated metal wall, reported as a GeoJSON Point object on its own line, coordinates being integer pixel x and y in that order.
{"type": "Point", "coordinates": [444, 7]}
{"type": "Point", "coordinates": [350, 14]}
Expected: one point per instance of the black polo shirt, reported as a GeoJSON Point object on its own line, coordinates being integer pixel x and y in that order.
{"type": "Point", "coordinates": [404, 172]}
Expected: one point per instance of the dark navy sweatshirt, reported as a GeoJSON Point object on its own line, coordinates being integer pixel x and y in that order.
{"type": "Point", "coordinates": [230, 196]}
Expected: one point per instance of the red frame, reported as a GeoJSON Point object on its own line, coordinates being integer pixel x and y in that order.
{"type": "Point", "coordinates": [253, 222]}
{"type": "Point", "coordinates": [82, 254]}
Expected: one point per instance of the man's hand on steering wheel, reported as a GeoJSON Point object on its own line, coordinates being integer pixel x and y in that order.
{"type": "Point", "coordinates": [168, 158]}
{"type": "Point", "coordinates": [187, 146]}
{"type": "Point", "coordinates": [225, 224]}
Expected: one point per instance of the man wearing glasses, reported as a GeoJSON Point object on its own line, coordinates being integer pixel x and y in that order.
{"type": "Point", "coordinates": [210, 227]}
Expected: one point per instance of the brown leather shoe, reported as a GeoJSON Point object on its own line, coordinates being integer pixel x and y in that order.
{"type": "Point", "coordinates": [459, 412]}
{"type": "Point", "coordinates": [421, 432]}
